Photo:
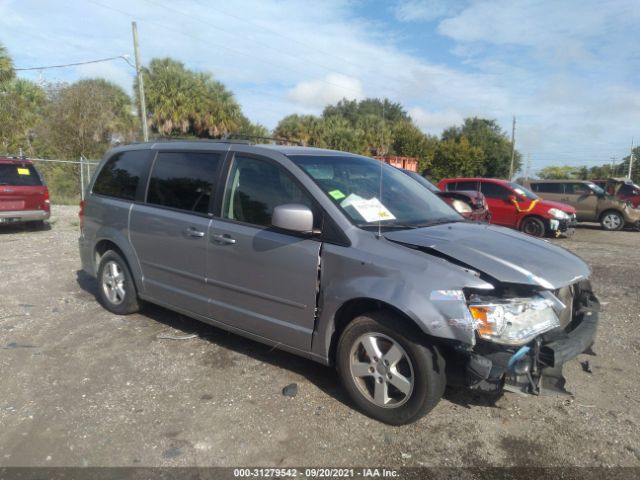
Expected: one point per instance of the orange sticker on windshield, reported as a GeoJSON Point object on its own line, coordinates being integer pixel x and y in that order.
{"type": "Point", "coordinates": [23, 171]}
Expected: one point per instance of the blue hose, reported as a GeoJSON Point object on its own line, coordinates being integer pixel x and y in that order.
{"type": "Point", "coordinates": [517, 356]}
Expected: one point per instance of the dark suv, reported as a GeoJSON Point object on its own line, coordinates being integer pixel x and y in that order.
{"type": "Point", "coordinates": [338, 258]}
{"type": "Point", "coordinates": [23, 195]}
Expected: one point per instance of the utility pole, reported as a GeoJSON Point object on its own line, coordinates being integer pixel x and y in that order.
{"type": "Point", "coordinates": [143, 106]}
{"type": "Point", "coordinates": [613, 167]}
{"type": "Point", "coordinates": [630, 160]}
{"type": "Point", "coordinates": [513, 147]}
{"type": "Point", "coordinates": [526, 174]}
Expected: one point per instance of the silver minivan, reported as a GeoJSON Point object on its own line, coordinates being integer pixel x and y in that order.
{"type": "Point", "coordinates": [338, 258]}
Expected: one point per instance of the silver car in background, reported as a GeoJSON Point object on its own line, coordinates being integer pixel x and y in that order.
{"type": "Point", "coordinates": [338, 258]}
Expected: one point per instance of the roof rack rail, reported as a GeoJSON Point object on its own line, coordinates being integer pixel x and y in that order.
{"type": "Point", "coordinates": [174, 138]}
{"type": "Point", "coordinates": [286, 141]}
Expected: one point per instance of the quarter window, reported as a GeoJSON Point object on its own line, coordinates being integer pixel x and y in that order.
{"type": "Point", "coordinates": [183, 180]}
{"type": "Point", "coordinates": [121, 174]}
{"type": "Point", "coordinates": [255, 187]}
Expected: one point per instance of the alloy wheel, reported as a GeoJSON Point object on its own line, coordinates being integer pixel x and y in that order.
{"type": "Point", "coordinates": [113, 282]}
{"type": "Point", "coordinates": [611, 221]}
{"type": "Point", "coordinates": [382, 370]}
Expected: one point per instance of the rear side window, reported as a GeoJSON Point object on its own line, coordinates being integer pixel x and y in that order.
{"type": "Point", "coordinates": [184, 180]}
{"type": "Point", "coordinates": [493, 190]}
{"type": "Point", "coordinates": [23, 175]}
{"type": "Point", "coordinates": [547, 187]}
{"type": "Point", "coordinates": [121, 174]}
{"type": "Point", "coordinates": [465, 185]}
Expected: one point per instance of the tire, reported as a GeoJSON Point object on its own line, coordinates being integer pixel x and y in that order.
{"type": "Point", "coordinates": [533, 226]}
{"type": "Point", "coordinates": [116, 289]}
{"type": "Point", "coordinates": [401, 385]}
{"type": "Point", "coordinates": [612, 221]}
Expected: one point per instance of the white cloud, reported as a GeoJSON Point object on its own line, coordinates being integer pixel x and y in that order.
{"type": "Point", "coordinates": [435, 122]}
{"type": "Point", "coordinates": [119, 73]}
{"type": "Point", "coordinates": [560, 29]}
{"type": "Point", "coordinates": [330, 89]}
{"type": "Point", "coordinates": [422, 10]}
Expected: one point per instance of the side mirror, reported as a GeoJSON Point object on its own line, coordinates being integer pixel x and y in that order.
{"type": "Point", "coordinates": [512, 198]}
{"type": "Point", "coordinates": [293, 217]}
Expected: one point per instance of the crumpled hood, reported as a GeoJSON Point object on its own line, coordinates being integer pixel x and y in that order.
{"type": "Point", "coordinates": [504, 254]}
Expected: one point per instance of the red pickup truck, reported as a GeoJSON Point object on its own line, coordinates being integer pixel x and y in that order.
{"type": "Point", "coordinates": [23, 195]}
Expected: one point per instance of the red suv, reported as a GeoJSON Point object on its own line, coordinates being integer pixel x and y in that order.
{"type": "Point", "coordinates": [23, 194]}
{"type": "Point", "coordinates": [514, 206]}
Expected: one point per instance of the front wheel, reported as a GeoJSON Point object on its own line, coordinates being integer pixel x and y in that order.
{"type": "Point", "coordinates": [612, 220]}
{"type": "Point", "coordinates": [388, 376]}
{"type": "Point", "coordinates": [116, 291]}
{"type": "Point", "coordinates": [533, 226]}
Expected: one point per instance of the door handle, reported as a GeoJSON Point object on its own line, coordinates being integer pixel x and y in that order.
{"type": "Point", "coordinates": [194, 232]}
{"type": "Point", "coordinates": [223, 239]}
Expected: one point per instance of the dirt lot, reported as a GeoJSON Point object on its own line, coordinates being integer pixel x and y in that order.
{"type": "Point", "coordinates": [81, 386]}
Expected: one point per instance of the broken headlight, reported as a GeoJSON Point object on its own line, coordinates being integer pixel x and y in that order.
{"type": "Point", "coordinates": [514, 321]}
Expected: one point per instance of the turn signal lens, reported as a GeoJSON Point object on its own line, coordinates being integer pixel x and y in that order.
{"type": "Point", "coordinates": [480, 315]}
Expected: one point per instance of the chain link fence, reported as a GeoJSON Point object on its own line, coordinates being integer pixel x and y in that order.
{"type": "Point", "coordinates": [67, 179]}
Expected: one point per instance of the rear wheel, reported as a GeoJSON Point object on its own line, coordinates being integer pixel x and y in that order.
{"type": "Point", "coordinates": [116, 291]}
{"type": "Point", "coordinates": [612, 220]}
{"type": "Point", "coordinates": [388, 376]}
{"type": "Point", "coordinates": [533, 226]}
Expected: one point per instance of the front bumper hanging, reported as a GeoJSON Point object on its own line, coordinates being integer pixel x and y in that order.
{"type": "Point", "coordinates": [535, 368]}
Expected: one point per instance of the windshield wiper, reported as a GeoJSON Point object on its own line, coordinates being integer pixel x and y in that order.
{"type": "Point", "coordinates": [440, 221]}
{"type": "Point", "coordinates": [392, 226]}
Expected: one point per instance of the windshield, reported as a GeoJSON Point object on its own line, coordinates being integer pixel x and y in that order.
{"type": "Point", "coordinates": [422, 181]}
{"type": "Point", "coordinates": [353, 184]}
{"type": "Point", "coordinates": [19, 174]}
{"type": "Point", "coordinates": [520, 190]}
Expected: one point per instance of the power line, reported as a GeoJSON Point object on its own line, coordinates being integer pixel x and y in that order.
{"type": "Point", "coordinates": [123, 57]}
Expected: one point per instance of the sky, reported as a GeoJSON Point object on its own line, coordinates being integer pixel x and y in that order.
{"type": "Point", "coordinates": [568, 70]}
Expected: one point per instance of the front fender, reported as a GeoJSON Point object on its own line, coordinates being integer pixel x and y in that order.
{"type": "Point", "coordinates": [425, 288]}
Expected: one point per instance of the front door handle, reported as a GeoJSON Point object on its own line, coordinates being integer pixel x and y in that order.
{"type": "Point", "coordinates": [223, 239]}
{"type": "Point", "coordinates": [194, 232]}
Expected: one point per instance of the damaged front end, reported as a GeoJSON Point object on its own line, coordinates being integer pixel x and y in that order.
{"type": "Point", "coordinates": [523, 341]}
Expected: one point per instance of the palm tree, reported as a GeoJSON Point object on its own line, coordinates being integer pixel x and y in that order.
{"type": "Point", "coordinates": [6, 66]}
{"type": "Point", "coordinates": [183, 102]}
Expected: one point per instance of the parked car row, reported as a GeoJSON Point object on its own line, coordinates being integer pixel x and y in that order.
{"type": "Point", "coordinates": [541, 207]}
{"type": "Point", "coordinates": [512, 205]}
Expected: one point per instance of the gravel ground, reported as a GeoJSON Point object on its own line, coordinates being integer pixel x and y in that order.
{"type": "Point", "coordinates": [81, 386]}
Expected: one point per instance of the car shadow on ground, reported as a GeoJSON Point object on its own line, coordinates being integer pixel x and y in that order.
{"type": "Point", "coordinates": [323, 377]}
{"type": "Point", "coordinates": [597, 226]}
{"type": "Point", "coordinates": [8, 229]}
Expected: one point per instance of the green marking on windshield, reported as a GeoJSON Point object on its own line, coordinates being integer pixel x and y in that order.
{"type": "Point", "coordinates": [337, 194]}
